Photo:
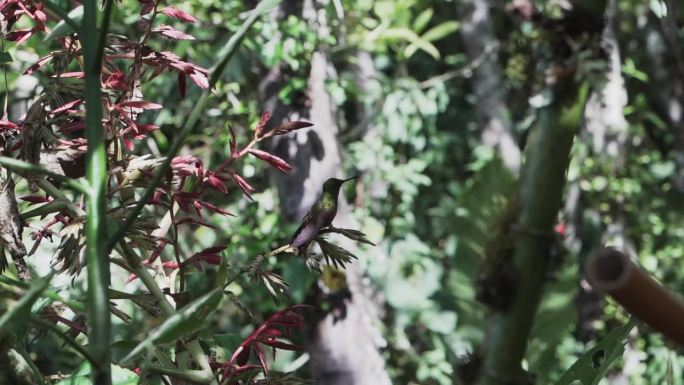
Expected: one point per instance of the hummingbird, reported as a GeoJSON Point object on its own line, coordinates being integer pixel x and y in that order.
{"type": "Point", "coordinates": [320, 215]}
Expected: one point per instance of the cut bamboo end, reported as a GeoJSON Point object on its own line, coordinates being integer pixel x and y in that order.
{"type": "Point", "coordinates": [611, 271]}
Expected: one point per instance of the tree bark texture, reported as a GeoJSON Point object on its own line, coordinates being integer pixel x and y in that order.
{"type": "Point", "coordinates": [343, 351]}
{"type": "Point", "coordinates": [492, 114]}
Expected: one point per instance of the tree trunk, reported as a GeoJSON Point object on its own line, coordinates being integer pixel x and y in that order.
{"type": "Point", "coordinates": [343, 351]}
{"type": "Point", "coordinates": [492, 113]}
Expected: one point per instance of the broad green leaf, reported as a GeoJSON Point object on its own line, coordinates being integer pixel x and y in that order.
{"type": "Point", "coordinates": [423, 45]}
{"type": "Point", "coordinates": [432, 34]}
{"type": "Point", "coordinates": [590, 368]}
{"type": "Point", "coordinates": [81, 376]}
{"type": "Point", "coordinates": [398, 34]}
{"type": "Point", "coordinates": [422, 20]}
{"type": "Point", "coordinates": [21, 311]}
{"type": "Point", "coordinates": [440, 31]}
{"type": "Point", "coordinates": [187, 320]}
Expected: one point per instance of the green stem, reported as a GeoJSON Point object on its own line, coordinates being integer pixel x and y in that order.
{"type": "Point", "coordinates": [135, 263]}
{"type": "Point", "coordinates": [540, 199]}
{"type": "Point", "coordinates": [193, 346]}
{"type": "Point", "coordinates": [49, 208]}
{"type": "Point", "coordinates": [48, 293]}
{"type": "Point", "coordinates": [198, 376]}
{"type": "Point", "coordinates": [20, 166]}
{"type": "Point", "coordinates": [68, 340]}
{"type": "Point", "coordinates": [99, 320]}
{"type": "Point", "coordinates": [58, 194]}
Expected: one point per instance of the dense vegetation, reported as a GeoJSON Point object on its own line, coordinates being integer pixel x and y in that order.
{"type": "Point", "coordinates": [156, 158]}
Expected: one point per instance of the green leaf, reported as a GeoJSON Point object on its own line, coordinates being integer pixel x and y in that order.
{"type": "Point", "coordinates": [81, 376]}
{"type": "Point", "coordinates": [21, 311]}
{"type": "Point", "coordinates": [423, 45]}
{"type": "Point", "coordinates": [187, 320]}
{"type": "Point", "coordinates": [433, 34]}
{"type": "Point", "coordinates": [423, 19]}
{"type": "Point", "coordinates": [590, 368]}
{"type": "Point", "coordinates": [440, 31]}
{"type": "Point", "coordinates": [5, 57]}
{"type": "Point", "coordinates": [229, 341]}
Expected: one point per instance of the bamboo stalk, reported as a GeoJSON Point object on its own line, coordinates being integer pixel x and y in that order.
{"type": "Point", "coordinates": [611, 271]}
{"type": "Point", "coordinates": [548, 156]}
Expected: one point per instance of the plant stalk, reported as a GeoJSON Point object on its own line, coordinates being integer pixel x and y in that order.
{"type": "Point", "coordinates": [99, 320]}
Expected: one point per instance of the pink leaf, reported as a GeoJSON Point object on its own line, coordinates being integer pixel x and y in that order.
{"type": "Point", "coordinates": [67, 106]}
{"type": "Point", "coordinates": [140, 104]}
{"type": "Point", "coordinates": [172, 33]}
{"type": "Point", "coordinates": [19, 36]}
{"type": "Point", "coordinates": [273, 160]}
{"type": "Point", "coordinates": [7, 125]}
{"type": "Point", "coordinates": [216, 183]}
{"type": "Point", "coordinates": [41, 62]}
{"type": "Point", "coordinates": [213, 209]}
{"type": "Point", "coordinates": [259, 129]}
{"type": "Point", "coordinates": [246, 188]}
{"type": "Point", "coordinates": [178, 14]}
{"type": "Point", "coordinates": [75, 74]}
{"type": "Point", "coordinates": [200, 79]}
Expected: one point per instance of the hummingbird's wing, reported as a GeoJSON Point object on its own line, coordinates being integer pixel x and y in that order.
{"type": "Point", "coordinates": [305, 233]}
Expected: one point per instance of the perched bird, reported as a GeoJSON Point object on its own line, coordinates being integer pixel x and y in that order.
{"type": "Point", "coordinates": [320, 215]}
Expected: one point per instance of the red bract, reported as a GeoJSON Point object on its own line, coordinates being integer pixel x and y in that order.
{"type": "Point", "coordinates": [259, 129]}
{"type": "Point", "coordinates": [66, 106]}
{"type": "Point", "coordinates": [139, 104]}
{"type": "Point", "coordinates": [147, 6]}
{"type": "Point", "coordinates": [116, 81]}
{"type": "Point", "coordinates": [269, 333]}
{"type": "Point", "coordinates": [212, 208]}
{"type": "Point", "coordinates": [6, 125]}
{"type": "Point", "coordinates": [75, 75]}
{"type": "Point", "coordinates": [169, 31]}
{"type": "Point", "coordinates": [246, 188]}
{"type": "Point", "coordinates": [178, 14]}
{"type": "Point", "coordinates": [33, 199]}
{"type": "Point", "coordinates": [215, 182]}
{"type": "Point", "coordinates": [273, 160]}
{"type": "Point", "coordinates": [169, 60]}
{"type": "Point", "coordinates": [186, 199]}
{"type": "Point", "coordinates": [290, 126]}
{"type": "Point", "coordinates": [20, 36]}
{"type": "Point", "coordinates": [210, 256]}
{"type": "Point", "coordinates": [184, 165]}
{"type": "Point", "coordinates": [41, 62]}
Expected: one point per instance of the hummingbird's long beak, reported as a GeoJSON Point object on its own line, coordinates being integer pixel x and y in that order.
{"type": "Point", "coordinates": [348, 179]}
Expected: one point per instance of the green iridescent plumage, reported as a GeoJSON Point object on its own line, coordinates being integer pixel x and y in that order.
{"type": "Point", "coordinates": [320, 215]}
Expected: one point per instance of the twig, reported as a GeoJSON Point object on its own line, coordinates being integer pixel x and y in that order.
{"type": "Point", "coordinates": [466, 71]}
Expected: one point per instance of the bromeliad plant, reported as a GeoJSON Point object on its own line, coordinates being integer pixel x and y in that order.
{"type": "Point", "coordinates": [84, 132]}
